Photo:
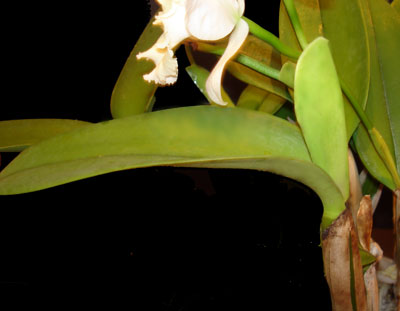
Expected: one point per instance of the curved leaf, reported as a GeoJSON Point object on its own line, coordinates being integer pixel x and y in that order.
{"type": "Point", "coordinates": [320, 113]}
{"type": "Point", "coordinates": [132, 94]}
{"type": "Point", "coordinates": [199, 136]}
{"type": "Point", "coordinates": [342, 23]}
{"type": "Point", "coordinates": [16, 135]}
{"type": "Point", "coordinates": [383, 107]}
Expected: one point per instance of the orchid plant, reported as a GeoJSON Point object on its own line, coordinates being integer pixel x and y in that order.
{"type": "Point", "coordinates": [333, 94]}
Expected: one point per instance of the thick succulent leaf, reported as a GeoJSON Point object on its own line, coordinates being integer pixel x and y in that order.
{"type": "Point", "coordinates": [342, 23]}
{"type": "Point", "coordinates": [320, 113]}
{"type": "Point", "coordinates": [200, 136]}
{"type": "Point", "coordinates": [16, 135]}
{"type": "Point", "coordinates": [132, 94]}
{"type": "Point", "coordinates": [383, 106]}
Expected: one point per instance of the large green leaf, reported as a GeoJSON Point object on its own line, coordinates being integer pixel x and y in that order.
{"type": "Point", "coordinates": [342, 23]}
{"type": "Point", "coordinates": [132, 94]}
{"type": "Point", "coordinates": [383, 106]}
{"type": "Point", "coordinates": [201, 136]}
{"type": "Point", "coordinates": [16, 135]}
{"type": "Point", "coordinates": [320, 112]}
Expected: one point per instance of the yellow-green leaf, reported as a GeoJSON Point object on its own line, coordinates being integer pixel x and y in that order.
{"type": "Point", "coordinates": [320, 112]}
{"type": "Point", "coordinates": [16, 135]}
{"type": "Point", "coordinates": [198, 136]}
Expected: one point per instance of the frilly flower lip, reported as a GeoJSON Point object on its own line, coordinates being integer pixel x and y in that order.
{"type": "Point", "coordinates": [207, 20]}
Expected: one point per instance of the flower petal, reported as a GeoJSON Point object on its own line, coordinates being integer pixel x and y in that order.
{"type": "Point", "coordinates": [212, 19]}
{"type": "Point", "coordinates": [166, 70]}
{"type": "Point", "coordinates": [236, 39]}
{"type": "Point", "coordinates": [172, 19]}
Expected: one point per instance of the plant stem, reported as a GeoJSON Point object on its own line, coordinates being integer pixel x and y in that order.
{"type": "Point", "coordinates": [242, 59]}
{"type": "Point", "coordinates": [271, 39]}
{"type": "Point", "coordinates": [294, 18]}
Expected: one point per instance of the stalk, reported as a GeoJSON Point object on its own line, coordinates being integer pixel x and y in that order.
{"type": "Point", "coordinates": [271, 39]}
{"type": "Point", "coordinates": [242, 59]}
{"type": "Point", "coordinates": [294, 18]}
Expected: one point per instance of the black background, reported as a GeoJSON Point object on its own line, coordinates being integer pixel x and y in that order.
{"type": "Point", "coordinates": [146, 239]}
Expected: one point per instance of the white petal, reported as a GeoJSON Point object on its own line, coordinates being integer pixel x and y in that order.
{"type": "Point", "coordinates": [166, 70]}
{"type": "Point", "coordinates": [212, 19]}
{"type": "Point", "coordinates": [172, 20]}
{"type": "Point", "coordinates": [236, 39]}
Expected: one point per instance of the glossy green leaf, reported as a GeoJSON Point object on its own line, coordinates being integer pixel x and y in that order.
{"type": "Point", "coordinates": [383, 106]}
{"type": "Point", "coordinates": [132, 94]}
{"type": "Point", "coordinates": [320, 113]}
{"type": "Point", "coordinates": [16, 135]}
{"type": "Point", "coordinates": [199, 75]}
{"type": "Point", "coordinates": [342, 23]}
{"type": "Point", "coordinates": [199, 136]}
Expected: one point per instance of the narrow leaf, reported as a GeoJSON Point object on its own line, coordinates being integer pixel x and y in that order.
{"type": "Point", "coordinates": [16, 135]}
{"type": "Point", "coordinates": [320, 113]}
{"type": "Point", "coordinates": [383, 106]}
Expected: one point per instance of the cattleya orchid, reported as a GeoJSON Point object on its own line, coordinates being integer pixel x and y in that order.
{"type": "Point", "coordinates": [208, 20]}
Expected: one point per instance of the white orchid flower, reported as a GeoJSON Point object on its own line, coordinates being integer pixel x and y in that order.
{"type": "Point", "coordinates": [208, 20]}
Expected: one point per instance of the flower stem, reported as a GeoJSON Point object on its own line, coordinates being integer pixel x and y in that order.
{"type": "Point", "coordinates": [242, 59]}
{"type": "Point", "coordinates": [294, 18]}
{"type": "Point", "coordinates": [271, 39]}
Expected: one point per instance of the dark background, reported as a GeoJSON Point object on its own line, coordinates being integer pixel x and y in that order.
{"type": "Point", "coordinates": [146, 239]}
